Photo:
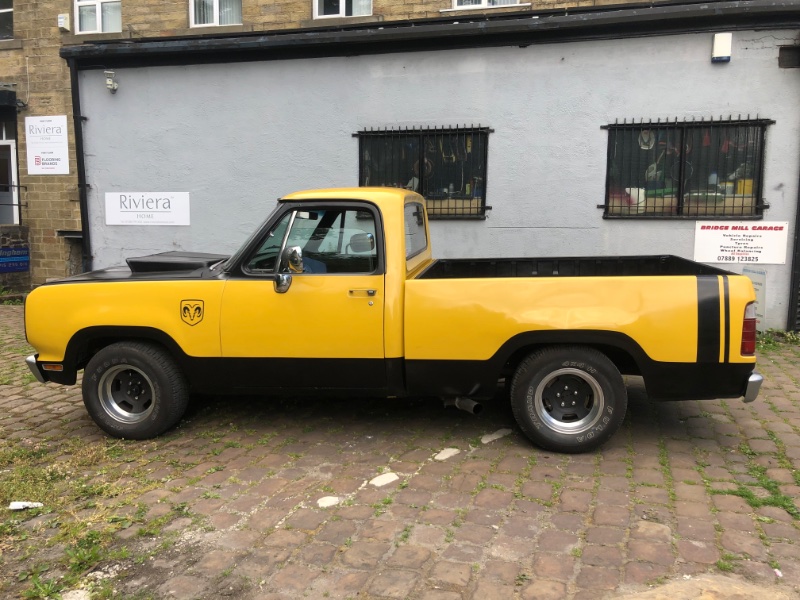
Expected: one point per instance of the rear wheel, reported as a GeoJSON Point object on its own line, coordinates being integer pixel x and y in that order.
{"type": "Point", "coordinates": [134, 390]}
{"type": "Point", "coordinates": [568, 399]}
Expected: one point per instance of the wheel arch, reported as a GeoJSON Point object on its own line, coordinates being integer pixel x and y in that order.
{"type": "Point", "coordinates": [622, 350]}
{"type": "Point", "coordinates": [87, 342]}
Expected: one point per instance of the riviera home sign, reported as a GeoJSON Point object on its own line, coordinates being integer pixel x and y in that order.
{"type": "Point", "coordinates": [47, 146]}
{"type": "Point", "coordinates": [147, 208]}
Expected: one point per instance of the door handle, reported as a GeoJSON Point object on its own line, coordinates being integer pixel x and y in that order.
{"type": "Point", "coordinates": [369, 293]}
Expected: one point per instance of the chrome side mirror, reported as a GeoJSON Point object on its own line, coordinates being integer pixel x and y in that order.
{"type": "Point", "coordinates": [294, 259]}
{"type": "Point", "coordinates": [283, 282]}
{"type": "Point", "coordinates": [291, 262]}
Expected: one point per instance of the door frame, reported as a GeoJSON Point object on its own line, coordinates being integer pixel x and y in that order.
{"type": "Point", "coordinates": [14, 185]}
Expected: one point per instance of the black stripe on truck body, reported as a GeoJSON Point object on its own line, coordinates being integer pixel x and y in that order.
{"type": "Point", "coordinates": [727, 319]}
{"type": "Point", "coordinates": [708, 318]}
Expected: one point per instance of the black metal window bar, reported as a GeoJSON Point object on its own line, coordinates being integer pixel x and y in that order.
{"type": "Point", "coordinates": [445, 165]}
{"type": "Point", "coordinates": [688, 169]}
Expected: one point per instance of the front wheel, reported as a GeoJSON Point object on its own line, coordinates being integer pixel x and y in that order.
{"type": "Point", "coordinates": [134, 390]}
{"type": "Point", "coordinates": [568, 399]}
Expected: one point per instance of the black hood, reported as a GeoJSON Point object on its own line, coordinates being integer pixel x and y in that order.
{"type": "Point", "coordinates": [173, 261]}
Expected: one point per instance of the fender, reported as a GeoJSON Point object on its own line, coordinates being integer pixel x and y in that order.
{"type": "Point", "coordinates": [478, 379]}
{"type": "Point", "coordinates": [87, 341]}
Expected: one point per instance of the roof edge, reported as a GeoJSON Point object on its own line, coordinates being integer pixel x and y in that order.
{"type": "Point", "coordinates": [509, 29]}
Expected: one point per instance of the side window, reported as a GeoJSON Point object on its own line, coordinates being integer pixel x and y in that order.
{"type": "Point", "coordinates": [335, 240]}
{"type": "Point", "coordinates": [414, 221]}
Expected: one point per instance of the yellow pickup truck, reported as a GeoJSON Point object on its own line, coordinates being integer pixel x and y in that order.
{"type": "Point", "coordinates": [337, 292]}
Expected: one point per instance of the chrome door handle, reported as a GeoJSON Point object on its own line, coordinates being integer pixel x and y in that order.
{"type": "Point", "coordinates": [362, 292]}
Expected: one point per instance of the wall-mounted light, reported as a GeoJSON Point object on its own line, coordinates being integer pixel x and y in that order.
{"type": "Point", "coordinates": [111, 84]}
{"type": "Point", "coordinates": [721, 49]}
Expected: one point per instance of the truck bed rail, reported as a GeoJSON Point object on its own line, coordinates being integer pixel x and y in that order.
{"type": "Point", "coordinates": [566, 267]}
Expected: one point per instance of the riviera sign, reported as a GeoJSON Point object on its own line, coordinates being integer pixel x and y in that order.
{"type": "Point", "coordinates": [147, 208]}
{"type": "Point", "coordinates": [47, 148]}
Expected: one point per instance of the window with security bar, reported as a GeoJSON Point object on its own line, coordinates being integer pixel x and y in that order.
{"type": "Point", "coordinates": [694, 169]}
{"type": "Point", "coordinates": [446, 166]}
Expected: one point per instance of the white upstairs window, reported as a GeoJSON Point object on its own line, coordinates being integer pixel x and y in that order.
{"type": "Point", "coordinates": [484, 3]}
{"type": "Point", "coordinates": [98, 16]}
{"type": "Point", "coordinates": [324, 9]}
{"type": "Point", "coordinates": [204, 13]}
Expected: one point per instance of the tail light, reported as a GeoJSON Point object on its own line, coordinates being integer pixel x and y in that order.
{"type": "Point", "coordinates": [749, 330]}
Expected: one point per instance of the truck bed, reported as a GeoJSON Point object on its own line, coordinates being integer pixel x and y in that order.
{"type": "Point", "coordinates": [466, 268]}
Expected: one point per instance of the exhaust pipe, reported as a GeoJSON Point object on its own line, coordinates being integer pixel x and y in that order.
{"type": "Point", "coordinates": [465, 404]}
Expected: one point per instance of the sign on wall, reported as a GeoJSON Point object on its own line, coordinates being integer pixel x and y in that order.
{"type": "Point", "coordinates": [747, 242]}
{"type": "Point", "coordinates": [47, 145]}
{"type": "Point", "coordinates": [14, 260]}
{"type": "Point", "coordinates": [147, 208]}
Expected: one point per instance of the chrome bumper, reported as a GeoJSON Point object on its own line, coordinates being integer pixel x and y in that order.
{"type": "Point", "coordinates": [753, 386]}
{"type": "Point", "coordinates": [37, 372]}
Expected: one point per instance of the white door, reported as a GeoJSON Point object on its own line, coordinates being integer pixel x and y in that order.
{"type": "Point", "coordinates": [9, 192]}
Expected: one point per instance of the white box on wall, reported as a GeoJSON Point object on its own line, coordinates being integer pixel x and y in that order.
{"type": "Point", "coordinates": [721, 50]}
{"type": "Point", "coordinates": [63, 21]}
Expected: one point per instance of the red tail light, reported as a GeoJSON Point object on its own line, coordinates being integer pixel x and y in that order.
{"type": "Point", "coordinates": [749, 330]}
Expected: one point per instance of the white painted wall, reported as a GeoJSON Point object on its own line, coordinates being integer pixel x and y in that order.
{"type": "Point", "coordinates": [238, 136]}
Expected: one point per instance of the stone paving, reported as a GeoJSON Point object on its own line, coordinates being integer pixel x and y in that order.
{"type": "Point", "coordinates": [263, 498]}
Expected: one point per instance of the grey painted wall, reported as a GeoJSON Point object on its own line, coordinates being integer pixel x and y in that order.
{"type": "Point", "coordinates": [238, 136]}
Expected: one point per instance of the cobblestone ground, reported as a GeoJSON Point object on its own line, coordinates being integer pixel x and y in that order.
{"type": "Point", "coordinates": [263, 498]}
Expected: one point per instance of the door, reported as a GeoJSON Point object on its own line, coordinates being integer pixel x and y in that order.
{"type": "Point", "coordinates": [9, 192]}
{"type": "Point", "coordinates": [326, 330]}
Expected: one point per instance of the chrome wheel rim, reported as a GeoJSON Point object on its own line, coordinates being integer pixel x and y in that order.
{"type": "Point", "coordinates": [126, 394]}
{"type": "Point", "coordinates": [569, 401]}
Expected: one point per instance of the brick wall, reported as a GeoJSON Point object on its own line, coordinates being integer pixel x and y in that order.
{"type": "Point", "coordinates": [49, 203]}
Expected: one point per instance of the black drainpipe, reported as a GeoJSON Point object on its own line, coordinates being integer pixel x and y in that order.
{"type": "Point", "coordinates": [793, 321]}
{"type": "Point", "coordinates": [77, 121]}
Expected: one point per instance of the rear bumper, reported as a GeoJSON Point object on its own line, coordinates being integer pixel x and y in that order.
{"type": "Point", "coordinates": [753, 386]}
{"type": "Point", "coordinates": [35, 368]}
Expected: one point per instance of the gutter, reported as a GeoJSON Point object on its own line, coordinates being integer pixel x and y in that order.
{"type": "Point", "coordinates": [510, 29]}
{"type": "Point", "coordinates": [77, 122]}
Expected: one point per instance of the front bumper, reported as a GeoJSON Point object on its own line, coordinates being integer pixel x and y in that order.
{"type": "Point", "coordinates": [35, 368]}
{"type": "Point", "coordinates": [753, 386]}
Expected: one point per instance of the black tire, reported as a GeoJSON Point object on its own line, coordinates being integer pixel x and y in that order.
{"type": "Point", "coordinates": [134, 390]}
{"type": "Point", "coordinates": [568, 398]}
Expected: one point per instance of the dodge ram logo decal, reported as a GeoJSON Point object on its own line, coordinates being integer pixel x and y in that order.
{"type": "Point", "coordinates": [191, 311]}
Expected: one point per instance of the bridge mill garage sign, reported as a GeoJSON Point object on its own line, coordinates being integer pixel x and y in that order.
{"type": "Point", "coordinates": [147, 208]}
{"type": "Point", "coordinates": [741, 242]}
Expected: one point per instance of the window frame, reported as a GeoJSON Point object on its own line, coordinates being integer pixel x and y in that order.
{"type": "Point", "coordinates": [216, 22]}
{"type": "Point", "coordinates": [342, 11]}
{"type": "Point", "coordinates": [685, 201]}
{"type": "Point", "coordinates": [411, 253]}
{"type": "Point", "coordinates": [468, 203]}
{"type": "Point", "coordinates": [485, 5]}
{"type": "Point", "coordinates": [98, 5]}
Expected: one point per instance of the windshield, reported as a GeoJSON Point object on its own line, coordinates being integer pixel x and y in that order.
{"type": "Point", "coordinates": [228, 264]}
